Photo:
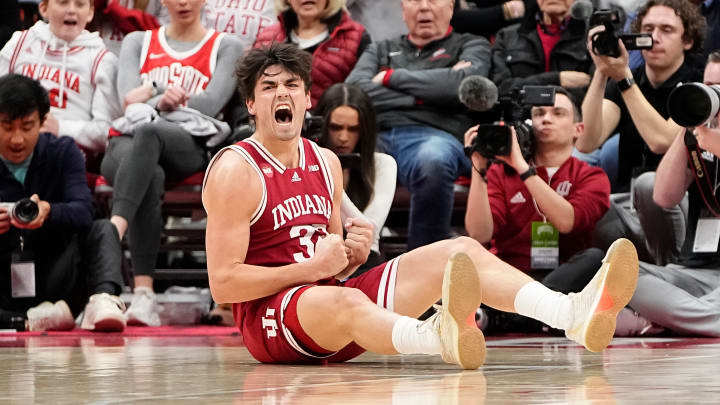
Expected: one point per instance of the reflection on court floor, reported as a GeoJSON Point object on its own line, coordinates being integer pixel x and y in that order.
{"type": "Point", "coordinates": [218, 369]}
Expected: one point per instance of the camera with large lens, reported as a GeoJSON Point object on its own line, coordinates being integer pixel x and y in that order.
{"type": "Point", "coordinates": [313, 127]}
{"type": "Point", "coordinates": [313, 130]}
{"type": "Point", "coordinates": [606, 42]}
{"type": "Point", "coordinates": [23, 211]}
{"type": "Point", "coordinates": [496, 139]}
{"type": "Point", "coordinates": [694, 104]}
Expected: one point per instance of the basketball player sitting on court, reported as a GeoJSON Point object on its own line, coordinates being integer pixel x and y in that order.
{"type": "Point", "coordinates": [275, 250]}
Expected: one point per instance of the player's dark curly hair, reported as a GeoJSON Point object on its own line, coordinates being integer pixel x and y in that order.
{"type": "Point", "coordinates": [693, 22]}
{"type": "Point", "coordinates": [253, 65]}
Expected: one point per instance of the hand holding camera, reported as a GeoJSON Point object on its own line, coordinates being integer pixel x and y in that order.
{"type": "Point", "coordinates": [27, 213]}
{"type": "Point", "coordinates": [514, 157]}
{"type": "Point", "coordinates": [614, 67]}
{"type": "Point", "coordinates": [708, 139]}
{"type": "Point", "coordinates": [478, 161]}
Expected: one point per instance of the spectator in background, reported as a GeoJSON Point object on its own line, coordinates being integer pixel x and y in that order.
{"type": "Point", "coordinates": [634, 103]}
{"type": "Point", "coordinates": [710, 9]}
{"type": "Point", "coordinates": [554, 189]}
{"type": "Point", "coordinates": [690, 286]}
{"type": "Point", "coordinates": [74, 66]}
{"type": "Point", "coordinates": [413, 83]}
{"type": "Point", "coordinates": [485, 17]}
{"type": "Point", "coordinates": [382, 19]}
{"type": "Point", "coordinates": [547, 48]}
{"type": "Point", "coordinates": [164, 135]}
{"type": "Point", "coordinates": [243, 19]}
{"type": "Point", "coordinates": [116, 18]}
{"type": "Point", "coordinates": [350, 127]}
{"type": "Point", "coordinates": [324, 29]}
{"type": "Point", "coordinates": [62, 255]}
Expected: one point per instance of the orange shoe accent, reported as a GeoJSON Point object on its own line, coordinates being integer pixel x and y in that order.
{"type": "Point", "coordinates": [471, 320]}
{"type": "Point", "coordinates": [606, 301]}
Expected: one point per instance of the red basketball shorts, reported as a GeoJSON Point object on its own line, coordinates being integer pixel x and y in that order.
{"type": "Point", "coordinates": [272, 332]}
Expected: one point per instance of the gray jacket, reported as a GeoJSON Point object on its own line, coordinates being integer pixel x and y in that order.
{"type": "Point", "coordinates": [423, 87]}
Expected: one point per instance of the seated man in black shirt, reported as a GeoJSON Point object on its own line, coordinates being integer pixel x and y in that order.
{"type": "Point", "coordinates": [634, 104]}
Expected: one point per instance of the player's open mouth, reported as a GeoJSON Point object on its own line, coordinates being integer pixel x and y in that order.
{"type": "Point", "coordinates": [283, 114]}
{"type": "Point", "coordinates": [70, 22]}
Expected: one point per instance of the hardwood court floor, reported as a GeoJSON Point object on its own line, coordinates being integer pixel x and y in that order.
{"type": "Point", "coordinates": [109, 369]}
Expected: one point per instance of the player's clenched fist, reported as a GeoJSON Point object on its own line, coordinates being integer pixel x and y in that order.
{"type": "Point", "coordinates": [358, 241]}
{"type": "Point", "coordinates": [330, 257]}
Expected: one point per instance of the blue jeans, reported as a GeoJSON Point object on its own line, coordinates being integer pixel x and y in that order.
{"type": "Point", "coordinates": [429, 160]}
{"type": "Point", "coordinates": [604, 157]}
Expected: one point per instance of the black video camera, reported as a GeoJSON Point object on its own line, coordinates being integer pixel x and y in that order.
{"type": "Point", "coordinates": [606, 42]}
{"type": "Point", "coordinates": [496, 139]}
{"type": "Point", "coordinates": [313, 127]}
{"type": "Point", "coordinates": [313, 130]}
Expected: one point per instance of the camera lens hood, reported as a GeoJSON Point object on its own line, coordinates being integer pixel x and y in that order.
{"type": "Point", "coordinates": [694, 104]}
{"type": "Point", "coordinates": [25, 211]}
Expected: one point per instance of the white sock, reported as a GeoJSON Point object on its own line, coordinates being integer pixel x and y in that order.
{"type": "Point", "coordinates": [410, 336]}
{"type": "Point", "coordinates": [144, 290]}
{"type": "Point", "coordinates": [536, 301]}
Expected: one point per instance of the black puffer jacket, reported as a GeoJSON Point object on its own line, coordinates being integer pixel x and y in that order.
{"type": "Point", "coordinates": [518, 58]}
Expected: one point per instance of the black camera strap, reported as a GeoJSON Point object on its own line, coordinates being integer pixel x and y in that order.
{"type": "Point", "coordinates": [702, 176]}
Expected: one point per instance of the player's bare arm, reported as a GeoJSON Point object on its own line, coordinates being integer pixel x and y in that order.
{"type": "Point", "coordinates": [231, 195]}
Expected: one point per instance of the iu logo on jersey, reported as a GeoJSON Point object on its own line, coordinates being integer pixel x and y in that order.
{"type": "Point", "coordinates": [563, 189]}
{"type": "Point", "coordinates": [266, 169]}
{"type": "Point", "coordinates": [269, 323]}
{"type": "Point", "coordinates": [55, 101]}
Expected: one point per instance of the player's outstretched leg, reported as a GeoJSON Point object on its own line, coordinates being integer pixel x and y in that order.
{"type": "Point", "coordinates": [596, 307]}
{"type": "Point", "coordinates": [462, 342]}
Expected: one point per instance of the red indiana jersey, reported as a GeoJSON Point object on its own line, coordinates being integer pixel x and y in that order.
{"type": "Point", "coordinates": [295, 208]}
{"type": "Point", "coordinates": [191, 69]}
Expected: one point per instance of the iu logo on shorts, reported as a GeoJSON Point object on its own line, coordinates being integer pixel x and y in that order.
{"type": "Point", "coordinates": [269, 323]}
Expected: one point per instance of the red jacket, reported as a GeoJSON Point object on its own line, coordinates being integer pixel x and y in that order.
{"type": "Point", "coordinates": [127, 20]}
{"type": "Point", "coordinates": [332, 60]}
{"type": "Point", "coordinates": [585, 187]}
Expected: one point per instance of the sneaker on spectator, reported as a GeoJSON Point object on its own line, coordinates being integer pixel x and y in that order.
{"type": "Point", "coordinates": [49, 316]}
{"type": "Point", "coordinates": [144, 309]}
{"type": "Point", "coordinates": [104, 313]}
{"type": "Point", "coordinates": [630, 323]}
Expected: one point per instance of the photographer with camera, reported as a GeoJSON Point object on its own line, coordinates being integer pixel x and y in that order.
{"type": "Point", "coordinates": [540, 215]}
{"type": "Point", "coordinates": [50, 249]}
{"type": "Point", "coordinates": [634, 105]}
{"type": "Point", "coordinates": [545, 48]}
{"type": "Point", "coordinates": [690, 286]}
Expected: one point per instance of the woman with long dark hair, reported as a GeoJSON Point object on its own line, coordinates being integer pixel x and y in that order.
{"type": "Point", "coordinates": [350, 127]}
